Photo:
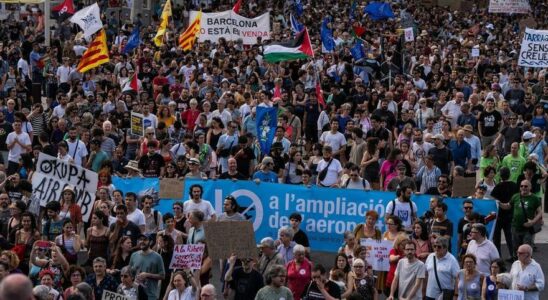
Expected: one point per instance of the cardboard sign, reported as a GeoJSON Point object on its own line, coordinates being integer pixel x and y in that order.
{"type": "Point", "coordinates": [187, 257]}
{"type": "Point", "coordinates": [528, 22]}
{"type": "Point", "coordinates": [171, 188]}
{"type": "Point", "coordinates": [511, 295]}
{"type": "Point", "coordinates": [225, 238]}
{"type": "Point", "coordinates": [108, 295]}
{"type": "Point", "coordinates": [464, 186]}
{"type": "Point", "coordinates": [137, 124]}
{"type": "Point", "coordinates": [51, 177]}
{"type": "Point", "coordinates": [378, 253]}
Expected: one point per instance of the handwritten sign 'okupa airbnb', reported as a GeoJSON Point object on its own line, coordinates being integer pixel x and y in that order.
{"type": "Point", "coordinates": [53, 175]}
{"type": "Point", "coordinates": [378, 253]}
{"type": "Point", "coordinates": [187, 257]}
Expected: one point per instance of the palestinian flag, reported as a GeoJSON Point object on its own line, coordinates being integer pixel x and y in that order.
{"type": "Point", "coordinates": [298, 48]}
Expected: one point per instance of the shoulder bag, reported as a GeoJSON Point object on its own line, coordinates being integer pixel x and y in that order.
{"type": "Point", "coordinates": [446, 294]}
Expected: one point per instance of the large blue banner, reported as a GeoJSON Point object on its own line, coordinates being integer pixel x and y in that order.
{"type": "Point", "coordinates": [327, 212]}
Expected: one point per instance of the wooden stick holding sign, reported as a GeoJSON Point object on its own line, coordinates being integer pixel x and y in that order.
{"type": "Point", "coordinates": [227, 238]}
{"type": "Point", "coordinates": [171, 188]}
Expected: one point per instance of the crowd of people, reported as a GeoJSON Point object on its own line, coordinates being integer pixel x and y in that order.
{"type": "Point", "coordinates": [411, 117]}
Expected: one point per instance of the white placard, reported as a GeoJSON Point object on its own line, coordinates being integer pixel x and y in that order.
{"type": "Point", "coordinates": [534, 49]}
{"type": "Point", "coordinates": [409, 34]}
{"type": "Point", "coordinates": [51, 177]}
{"type": "Point", "coordinates": [378, 253]}
{"type": "Point", "coordinates": [510, 295]}
{"type": "Point", "coordinates": [475, 52]}
{"type": "Point", "coordinates": [231, 26]}
{"type": "Point", "coordinates": [509, 6]}
{"type": "Point", "coordinates": [187, 257]}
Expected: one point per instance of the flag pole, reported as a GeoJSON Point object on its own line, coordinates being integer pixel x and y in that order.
{"type": "Point", "coordinates": [47, 29]}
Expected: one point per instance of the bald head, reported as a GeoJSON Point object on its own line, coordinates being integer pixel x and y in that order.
{"type": "Point", "coordinates": [208, 292]}
{"type": "Point", "coordinates": [16, 286]}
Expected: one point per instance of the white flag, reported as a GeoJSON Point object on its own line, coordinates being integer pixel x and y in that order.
{"type": "Point", "coordinates": [409, 35]}
{"type": "Point", "coordinates": [89, 19]}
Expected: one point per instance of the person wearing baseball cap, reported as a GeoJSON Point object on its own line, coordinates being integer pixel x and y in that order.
{"type": "Point", "coordinates": [265, 174]}
{"type": "Point", "coordinates": [194, 166]}
{"type": "Point", "coordinates": [270, 256]}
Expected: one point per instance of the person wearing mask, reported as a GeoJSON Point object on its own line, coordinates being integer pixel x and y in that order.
{"type": "Point", "coordinates": [527, 274]}
{"type": "Point", "coordinates": [409, 276]}
{"type": "Point", "coordinates": [149, 267]}
{"type": "Point", "coordinates": [442, 268]}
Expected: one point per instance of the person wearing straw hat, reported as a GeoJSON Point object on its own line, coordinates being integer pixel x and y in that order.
{"type": "Point", "coordinates": [133, 169]}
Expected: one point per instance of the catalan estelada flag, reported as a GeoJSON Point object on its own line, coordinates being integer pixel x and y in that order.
{"type": "Point", "coordinates": [188, 38]}
{"type": "Point", "coordinates": [164, 20]}
{"type": "Point", "coordinates": [96, 55]}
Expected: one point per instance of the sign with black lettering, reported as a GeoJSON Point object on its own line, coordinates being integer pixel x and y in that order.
{"type": "Point", "coordinates": [51, 177]}
{"type": "Point", "coordinates": [187, 257]}
{"type": "Point", "coordinates": [534, 49]}
{"type": "Point", "coordinates": [231, 26]}
{"type": "Point", "coordinates": [108, 295]}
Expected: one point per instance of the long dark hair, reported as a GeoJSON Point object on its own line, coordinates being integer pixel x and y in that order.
{"type": "Point", "coordinates": [424, 231]}
{"type": "Point", "coordinates": [347, 267]}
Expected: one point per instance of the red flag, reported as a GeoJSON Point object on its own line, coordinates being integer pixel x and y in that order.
{"type": "Point", "coordinates": [236, 7]}
{"type": "Point", "coordinates": [277, 92]}
{"type": "Point", "coordinates": [319, 95]}
{"type": "Point", "coordinates": [134, 84]}
{"type": "Point", "coordinates": [67, 7]}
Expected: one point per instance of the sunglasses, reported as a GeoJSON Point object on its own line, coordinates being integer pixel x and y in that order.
{"type": "Point", "coordinates": [437, 247]}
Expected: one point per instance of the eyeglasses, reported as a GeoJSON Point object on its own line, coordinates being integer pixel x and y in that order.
{"type": "Point", "coordinates": [124, 275]}
{"type": "Point", "coordinates": [437, 246]}
{"type": "Point", "coordinates": [468, 207]}
{"type": "Point", "coordinates": [358, 266]}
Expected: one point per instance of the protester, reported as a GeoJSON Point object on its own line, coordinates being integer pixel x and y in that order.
{"type": "Point", "coordinates": [409, 275]}
{"type": "Point", "coordinates": [442, 268]}
{"type": "Point", "coordinates": [527, 275]}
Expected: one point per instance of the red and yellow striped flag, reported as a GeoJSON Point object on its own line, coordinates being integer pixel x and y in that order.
{"type": "Point", "coordinates": [96, 55]}
{"type": "Point", "coordinates": [188, 38]}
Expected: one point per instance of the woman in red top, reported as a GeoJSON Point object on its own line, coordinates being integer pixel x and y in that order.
{"type": "Point", "coordinates": [299, 272]}
{"type": "Point", "coordinates": [190, 115]}
{"type": "Point", "coordinates": [395, 255]}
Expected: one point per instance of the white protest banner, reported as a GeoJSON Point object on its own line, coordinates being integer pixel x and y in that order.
{"type": "Point", "coordinates": [534, 49]}
{"type": "Point", "coordinates": [475, 52]}
{"type": "Point", "coordinates": [108, 295]}
{"type": "Point", "coordinates": [509, 6]}
{"type": "Point", "coordinates": [510, 294]}
{"type": "Point", "coordinates": [231, 26]}
{"type": "Point", "coordinates": [409, 35]}
{"type": "Point", "coordinates": [377, 253]}
{"type": "Point", "coordinates": [51, 177]}
{"type": "Point", "coordinates": [187, 257]}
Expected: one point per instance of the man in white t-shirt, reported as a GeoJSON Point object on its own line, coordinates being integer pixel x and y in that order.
{"type": "Point", "coordinates": [76, 148]}
{"type": "Point", "coordinates": [134, 214]}
{"type": "Point", "coordinates": [197, 203]}
{"type": "Point", "coordinates": [149, 119]}
{"type": "Point", "coordinates": [403, 207]}
{"type": "Point", "coordinates": [355, 181]}
{"type": "Point", "coordinates": [409, 276]}
{"type": "Point", "coordinates": [18, 142]}
{"type": "Point", "coordinates": [331, 177]}
{"type": "Point", "coordinates": [334, 139]}
{"type": "Point", "coordinates": [59, 110]}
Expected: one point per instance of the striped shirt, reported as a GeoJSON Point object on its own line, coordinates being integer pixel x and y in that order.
{"type": "Point", "coordinates": [428, 178]}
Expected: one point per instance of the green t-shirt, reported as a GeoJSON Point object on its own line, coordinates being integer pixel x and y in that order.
{"type": "Point", "coordinates": [515, 164]}
{"type": "Point", "coordinates": [531, 204]}
{"type": "Point", "coordinates": [270, 293]}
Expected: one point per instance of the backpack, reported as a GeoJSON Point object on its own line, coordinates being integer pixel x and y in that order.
{"type": "Point", "coordinates": [394, 208]}
{"type": "Point", "coordinates": [348, 182]}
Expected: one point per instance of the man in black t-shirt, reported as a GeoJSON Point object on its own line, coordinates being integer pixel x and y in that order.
{"type": "Point", "coordinates": [123, 227]}
{"type": "Point", "coordinates": [244, 281]}
{"type": "Point", "coordinates": [300, 236]}
{"type": "Point", "coordinates": [489, 124]}
{"type": "Point", "coordinates": [321, 286]}
{"type": "Point", "coordinates": [152, 164]}
{"type": "Point", "coordinates": [232, 172]}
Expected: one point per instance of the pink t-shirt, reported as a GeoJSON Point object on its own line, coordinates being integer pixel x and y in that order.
{"type": "Point", "coordinates": [388, 171]}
